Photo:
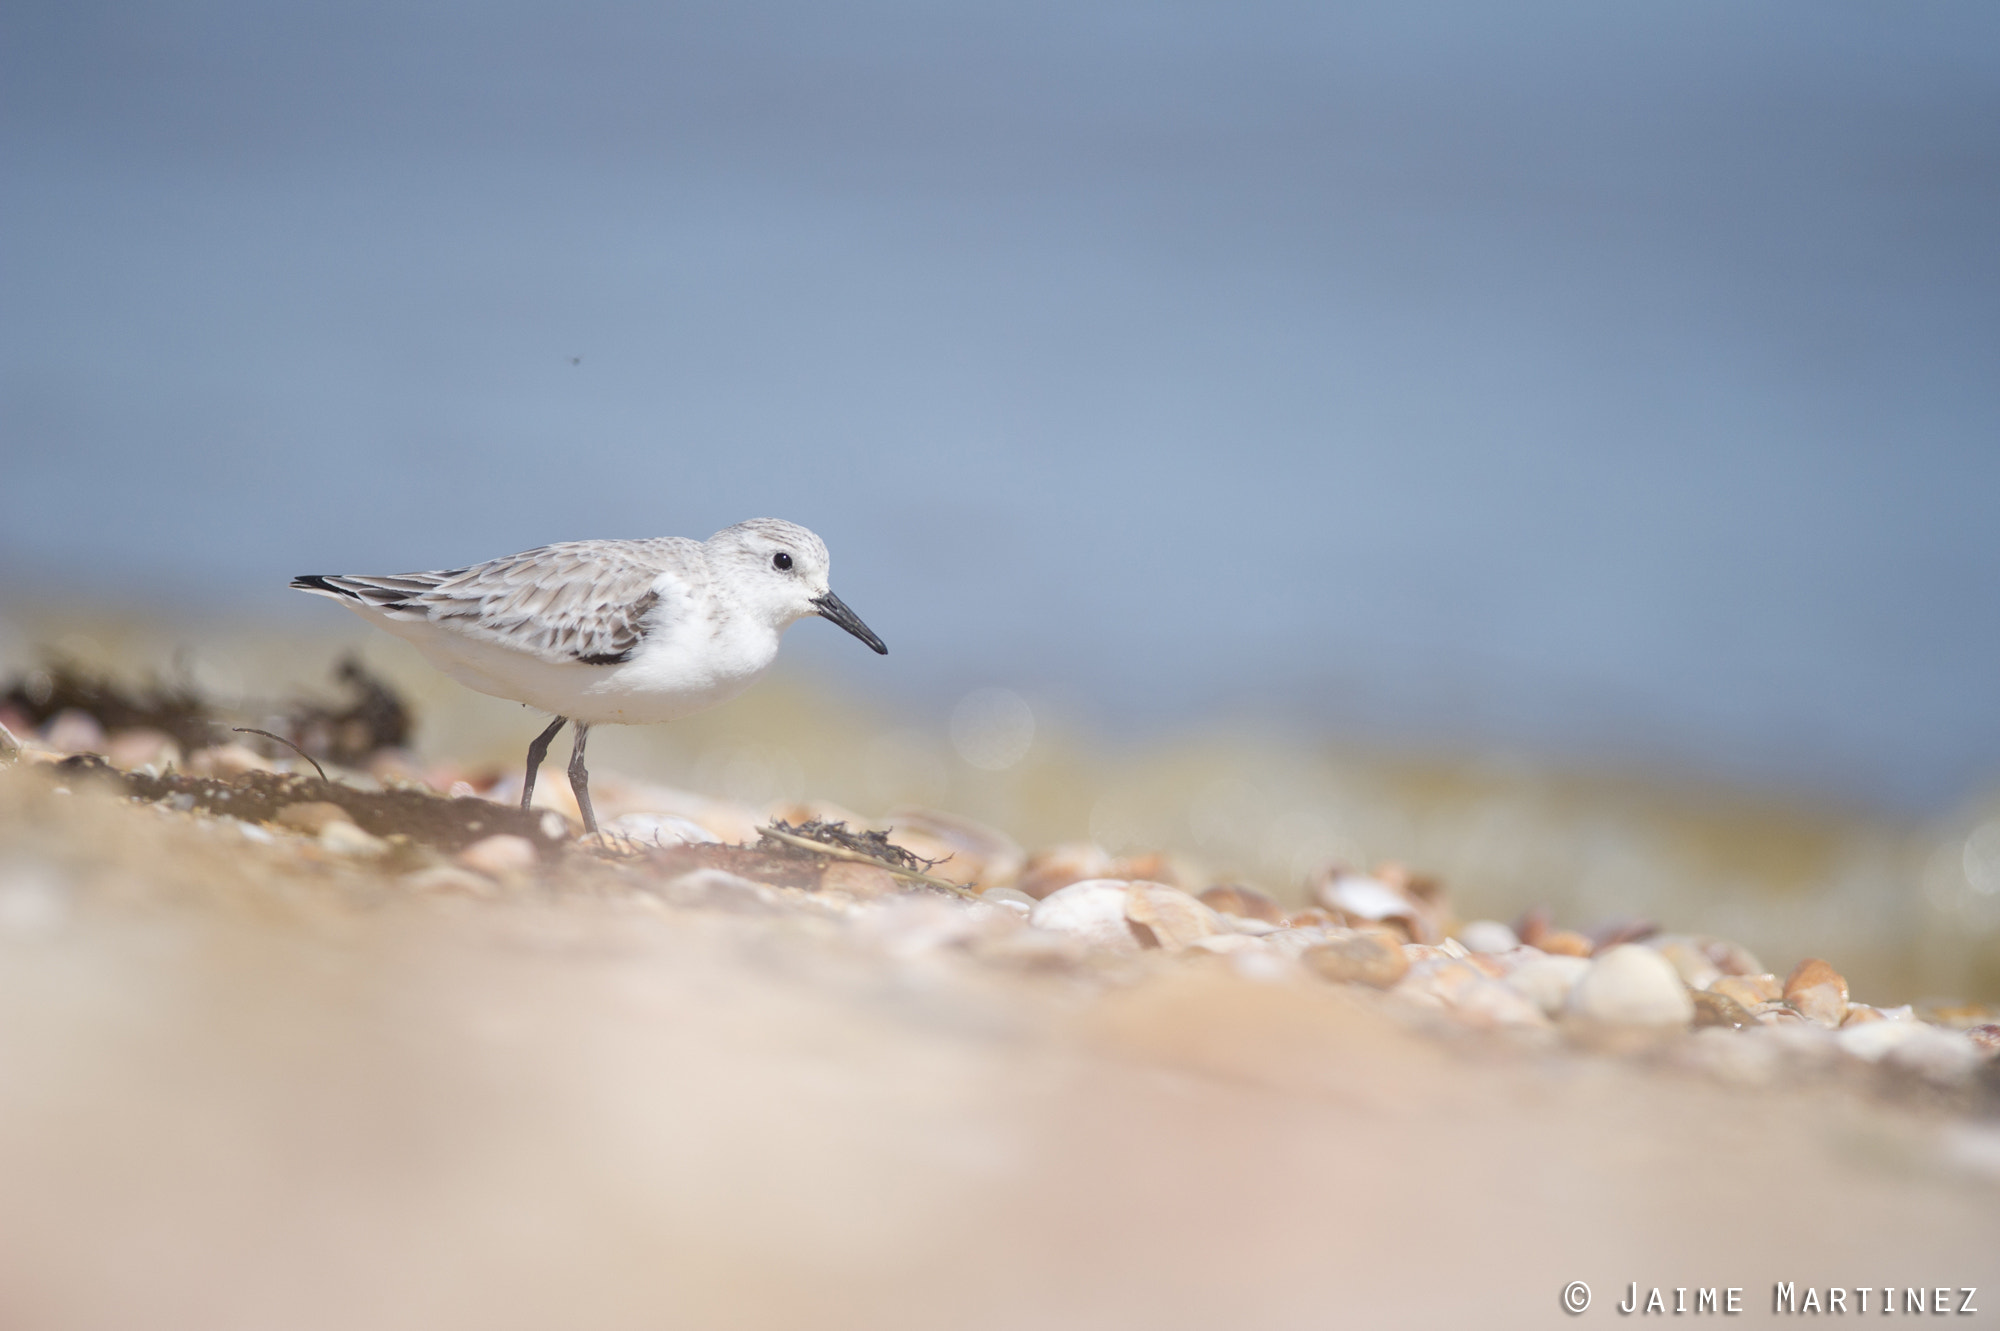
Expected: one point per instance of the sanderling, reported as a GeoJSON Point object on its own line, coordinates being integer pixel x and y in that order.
{"type": "Point", "coordinates": [595, 632]}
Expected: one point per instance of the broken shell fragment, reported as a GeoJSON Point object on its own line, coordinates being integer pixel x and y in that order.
{"type": "Point", "coordinates": [1818, 992]}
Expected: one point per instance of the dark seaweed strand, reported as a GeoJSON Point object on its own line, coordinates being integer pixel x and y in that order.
{"type": "Point", "coordinates": [875, 845]}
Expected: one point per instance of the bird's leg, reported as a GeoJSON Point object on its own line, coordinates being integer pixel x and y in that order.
{"type": "Point", "coordinates": [536, 752]}
{"type": "Point", "coordinates": [579, 780]}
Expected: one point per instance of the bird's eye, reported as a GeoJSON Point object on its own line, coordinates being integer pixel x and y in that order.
{"type": "Point", "coordinates": [781, 561]}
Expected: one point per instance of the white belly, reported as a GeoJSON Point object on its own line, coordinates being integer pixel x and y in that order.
{"type": "Point", "coordinates": [671, 675]}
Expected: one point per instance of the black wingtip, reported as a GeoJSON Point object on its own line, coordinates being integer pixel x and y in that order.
{"type": "Point", "coordinates": [317, 582]}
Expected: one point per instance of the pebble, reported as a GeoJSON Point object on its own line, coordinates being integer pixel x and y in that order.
{"type": "Point", "coordinates": [1092, 910]}
{"type": "Point", "coordinates": [1360, 958]}
{"type": "Point", "coordinates": [1939, 1056]}
{"type": "Point", "coordinates": [311, 817]}
{"type": "Point", "coordinates": [1713, 1009]}
{"type": "Point", "coordinates": [1565, 943]}
{"type": "Point", "coordinates": [1245, 903]}
{"type": "Point", "coordinates": [662, 829]}
{"type": "Point", "coordinates": [1631, 985]}
{"type": "Point", "coordinates": [1546, 980]}
{"type": "Point", "coordinates": [1488, 936]}
{"type": "Point", "coordinates": [504, 856]}
{"type": "Point", "coordinates": [1690, 961]}
{"type": "Point", "coordinates": [1169, 918]}
{"type": "Point", "coordinates": [74, 731]}
{"type": "Point", "coordinates": [1731, 958]}
{"type": "Point", "coordinates": [1871, 1041]}
{"type": "Point", "coordinates": [1489, 1003]}
{"type": "Point", "coordinates": [1749, 990]}
{"type": "Point", "coordinates": [228, 760]}
{"type": "Point", "coordinates": [1816, 991]}
{"type": "Point", "coordinates": [1933, 1053]}
{"type": "Point", "coordinates": [142, 747]}
{"type": "Point", "coordinates": [344, 838]}
{"type": "Point", "coordinates": [1012, 897]}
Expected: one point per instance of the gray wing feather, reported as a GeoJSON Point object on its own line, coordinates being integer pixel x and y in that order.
{"type": "Point", "coordinates": [589, 601]}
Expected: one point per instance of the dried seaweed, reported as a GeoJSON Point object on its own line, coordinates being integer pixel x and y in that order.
{"type": "Point", "coordinates": [425, 818]}
{"type": "Point", "coordinates": [377, 719]}
{"type": "Point", "coordinates": [61, 685]}
{"type": "Point", "coordinates": [872, 845]}
{"type": "Point", "coordinates": [835, 841]}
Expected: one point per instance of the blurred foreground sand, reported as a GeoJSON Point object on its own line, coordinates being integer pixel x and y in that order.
{"type": "Point", "coordinates": [242, 1088]}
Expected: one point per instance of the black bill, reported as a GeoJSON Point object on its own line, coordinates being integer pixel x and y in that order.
{"type": "Point", "coordinates": [833, 608]}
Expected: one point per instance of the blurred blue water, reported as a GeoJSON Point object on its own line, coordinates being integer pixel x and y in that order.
{"type": "Point", "coordinates": [1617, 382]}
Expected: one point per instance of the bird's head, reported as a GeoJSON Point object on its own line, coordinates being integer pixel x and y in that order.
{"type": "Point", "coordinates": [780, 570]}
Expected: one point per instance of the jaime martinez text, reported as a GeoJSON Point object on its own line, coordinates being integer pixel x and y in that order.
{"type": "Point", "coordinates": [1790, 1297]}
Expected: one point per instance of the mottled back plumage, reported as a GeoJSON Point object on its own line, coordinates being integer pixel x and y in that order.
{"type": "Point", "coordinates": [587, 601]}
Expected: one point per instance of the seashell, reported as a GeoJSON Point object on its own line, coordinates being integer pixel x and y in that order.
{"type": "Point", "coordinates": [718, 889]}
{"type": "Point", "coordinates": [1150, 867]}
{"type": "Point", "coordinates": [1361, 958]}
{"type": "Point", "coordinates": [1616, 933]}
{"type": "Point", "coordinates": [1092, 910]}
{"type": "Point", "coordinates": [73, 730]}
{"type": "Point", "coordinates": [143, 747]}
{"type": "Point", "coordinates": [1011, 897]}
{"type": "Point", "coordinates": [1057, 867]}
{"type": "Point", "coordinates": [1631, 986]}
{"type": "Point", "coordinates": [1730, 958]}
{"type": "Point", "coordinates": [1713, 1009]}
{"type": "Point", "coordinates": [1226, 944]}
{"type": "Point", "coordinates": [344, 838]}
{"type": "Point", "coordinates": [1817, 991]}
{"type": "Point", "coordinates": [661, 829]}
{"type": "Point", "coordinates": [1943, 1057]}
{"type": "Point", "coordinates": [1778, 1014]}
{"type": "Point", "coordinates": [501, 857]}
{"type": "Point", "coordinates": [226, 760]}
{"type": "Point", "coordinates": [1487, 1004]}
{"type": "Point", "coordinates": [1547, 980]}
{"type": "Point", "coordinates": [1488, 936]}
{"type": "Point", "coordinates": [1565, 943]}
{"type": "Point", "coordinates": [1749, 990]}
{"type": "Point", "coordinates": [1358, 898]}
{"type": "Point", "coordinates": [1245, 903]}
{"type": "Point", "coordinates": [1169, 918]}
{"type": "Point", "coordinates": [1438, 981]}
{"type": "Point", "coordinates": [311, 817]}
{"type": "Point", "coordinates": [1689, 961]}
